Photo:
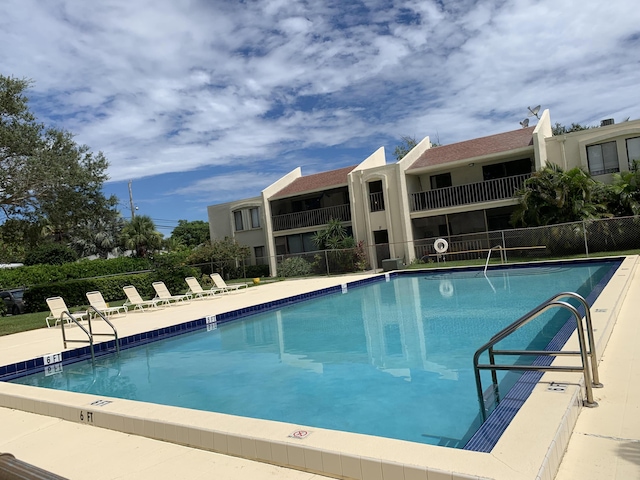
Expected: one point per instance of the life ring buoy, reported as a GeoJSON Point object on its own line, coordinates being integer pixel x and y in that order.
{"type": "Point", "coordinates": [441, 245]}
{"type": "Point", "coordinates": [446, 288]}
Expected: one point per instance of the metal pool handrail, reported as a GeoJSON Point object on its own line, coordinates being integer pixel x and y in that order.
{"type": "Point", "coordinates": [585, 353]}
{"type": "Point", "coordinates": [89, 332]}
{"type": "Point", "coordinates": [489, 256]}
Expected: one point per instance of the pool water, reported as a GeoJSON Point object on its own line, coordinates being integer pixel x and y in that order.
{"type": "Point", "coordinates": [391, 359]}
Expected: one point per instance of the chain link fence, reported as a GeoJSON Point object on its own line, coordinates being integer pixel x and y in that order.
{"type": "Point", "coordinates": [521, 244]}
{"type": "Point", "coordinates": [569, 239]}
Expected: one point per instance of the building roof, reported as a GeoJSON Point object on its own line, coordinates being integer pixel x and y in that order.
{"type": "Point", "coordinates": [478, 147]}
{"type": "Point", "coordinates": [316, 182]}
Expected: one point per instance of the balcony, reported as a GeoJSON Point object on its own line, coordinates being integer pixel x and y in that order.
{"type": "Point", "coordinates": [311, 218]}
{"type": "Point", "coordinates": [490, 190]}
{"type": "Point", "coordinates": [376, 202]}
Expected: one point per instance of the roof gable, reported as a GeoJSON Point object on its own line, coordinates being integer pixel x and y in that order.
{"type": "Point", "coordinates": [478, 147]}
{"type": "Point", "coordinates": [316, 182]}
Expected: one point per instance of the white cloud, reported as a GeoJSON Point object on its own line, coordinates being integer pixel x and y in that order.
{"type": "Point", "coordinates": [168, 86]}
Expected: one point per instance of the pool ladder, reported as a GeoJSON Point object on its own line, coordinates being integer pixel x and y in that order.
{"type": "Point", "coordinates": [89, 332]}
{"type": "Point", "coordinates": [502, 256]}
{"type": "Point", "coordinates": [587, 355]}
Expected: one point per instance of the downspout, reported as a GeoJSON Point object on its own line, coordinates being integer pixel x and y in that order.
{"type": "Point", "coordinates": [564, 156]}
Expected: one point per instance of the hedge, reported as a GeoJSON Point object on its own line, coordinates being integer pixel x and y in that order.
{"type": "Point", "coordinates": [74, 291]}
{"type": "Point", "coordinates": [39, 274]}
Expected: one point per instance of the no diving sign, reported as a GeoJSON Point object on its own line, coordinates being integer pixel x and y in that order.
{"type": "Point", "coordinates": [300, 434]}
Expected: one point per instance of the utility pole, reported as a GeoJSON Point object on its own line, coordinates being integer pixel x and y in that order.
{"type": "Point", "coordinates": [131, 201]}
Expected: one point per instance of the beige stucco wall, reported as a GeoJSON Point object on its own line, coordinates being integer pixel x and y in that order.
{"type": "Point", "coordinates": [222, 224]}
{"type": "Point", "coordinates": [267, 193]}
{"type": "Point", "coordinates": [393, 218]}
{"type": "Point", "coordinates": [540, 134]}
{"type": "Point", "coordinates": [570, 150]}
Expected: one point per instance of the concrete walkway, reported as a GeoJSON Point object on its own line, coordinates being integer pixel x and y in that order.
{"type": "Point", "coordinates": [605, 444]}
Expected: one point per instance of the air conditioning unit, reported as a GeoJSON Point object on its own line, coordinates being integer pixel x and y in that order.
{"type": "Point", "coordinates": [607, 121]}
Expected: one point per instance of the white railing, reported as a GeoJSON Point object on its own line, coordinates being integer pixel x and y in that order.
{"type": "Point", "coordinates": [487, 191]}
{"type": "Point", "coordinates": [311, 218]}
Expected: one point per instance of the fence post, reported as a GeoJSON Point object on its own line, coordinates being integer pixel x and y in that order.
{"type": "Point", "coordinates": [326, 261]}
{"type": "Point", "coordinates": [504, 246]}
{"type": "Point", "coordinates": [584, 233]}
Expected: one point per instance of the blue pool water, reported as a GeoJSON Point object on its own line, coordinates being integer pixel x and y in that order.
{"type": "Point", "coordinates": [392, 359]}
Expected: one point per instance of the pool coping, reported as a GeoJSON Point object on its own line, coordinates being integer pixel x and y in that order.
{"type": "Point", "coordinates": [342, 454]}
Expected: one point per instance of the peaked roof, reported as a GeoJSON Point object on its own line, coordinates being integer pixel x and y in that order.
{"type": "Point", "coordinates": [316, 182]}
{"type": "Point", "coordinates": [478, 147]}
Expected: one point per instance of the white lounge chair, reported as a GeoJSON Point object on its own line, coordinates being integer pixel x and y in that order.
{"type": "Point", "coordinates": [96, 300]}
{"type": "Point", "coordinates": [222, 285]}
{"type": "Point", "coordinates": [135, 300]}
{"type": "Point", "coordinates": [164, 296]}
{"type": "Point", "coordinates": [60, 312]}
{"type": "Point", "coordinates": [197, 291]}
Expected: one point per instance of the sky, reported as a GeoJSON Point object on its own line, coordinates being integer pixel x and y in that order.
{"type": "Point", "coordinates": [200, 102]}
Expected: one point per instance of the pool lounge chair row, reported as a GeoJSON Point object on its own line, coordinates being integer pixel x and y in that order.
{"type": "Point", "coordinates": [60, 312]}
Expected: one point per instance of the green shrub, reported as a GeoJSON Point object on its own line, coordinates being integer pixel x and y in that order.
{"type": "Point", "coordinates": [74, 291]}
{"type": "Point", "coordinates": [249, 271]}
{"type": "Point", "coordinates": [39, 274]}
{"type": "Point", "coordinates": [170, 268]}
{"type": "Point", "coordinates": [50, 254]}
{"type": "Point", "coordinates": [294, 267]}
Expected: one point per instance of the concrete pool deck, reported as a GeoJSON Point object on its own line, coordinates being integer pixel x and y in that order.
{"type": "Point", "coordinates": [41, 426]}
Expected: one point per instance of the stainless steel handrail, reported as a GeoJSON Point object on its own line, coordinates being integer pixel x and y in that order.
{"type": "Point", "coordinates": [591, 376]}
{"type": "Point", "coordinates": [89, 332]}
{"type": "Point", "coordinates": [500, 247]}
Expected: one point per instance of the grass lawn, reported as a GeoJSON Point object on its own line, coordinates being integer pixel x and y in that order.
{"type": "Point", "coordinates": [31, 321]}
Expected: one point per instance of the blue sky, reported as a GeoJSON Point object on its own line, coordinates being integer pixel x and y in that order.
{"type": "Point", "coordinates": [201, 102]}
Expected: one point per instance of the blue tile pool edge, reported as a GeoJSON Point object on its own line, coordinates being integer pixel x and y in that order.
{"type": "Point", "coordinates": [34, 365]}
{"type": "Point", "coordinates": [492, 429]}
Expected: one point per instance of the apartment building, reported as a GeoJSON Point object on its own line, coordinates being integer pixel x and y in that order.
{"type": "Point", "coordinates": [399, 208]}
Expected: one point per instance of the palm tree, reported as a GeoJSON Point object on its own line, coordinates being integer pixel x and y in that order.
{"type": "Point", "coordinates": [625, 191]}
{"type": "Point", "coordinates": [551, 196]}
{"type": "Point", "coordinates": [333, 237]}
{"type": "Point", "coordinates": [141, 236]}
{"type": "Point", "coordinates": [97, 237]}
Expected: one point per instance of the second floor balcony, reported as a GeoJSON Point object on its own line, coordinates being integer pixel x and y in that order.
{"type": "Point", "coordinates": [311, 218]}
{"type": "Point", "coordinates": [487, 191]}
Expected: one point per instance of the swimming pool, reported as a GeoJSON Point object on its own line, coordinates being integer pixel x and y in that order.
{"type": "Point", "coordinates": [379, 369]}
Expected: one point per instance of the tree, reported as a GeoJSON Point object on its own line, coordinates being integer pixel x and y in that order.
{"type": "Point", "coordinates": [97, 237]}
{"type": "Point", "coordinates": [559, 129]}
{"type": "Point", "coordinates": [191, 234]}
{"type": "Point", "coordinates": [223, 254]}
{"type": "Point", "coordinates": [406, 145]}
{"type": "Point", "coordinates": [333, 237]}
{"type": "Point", "coordinates": [141, 236]}
{"type": "Point", "coordinates": [50, 254]}
{"type": "Point", "coordinates": [45, 177]}
{"type": "Point", "coordinates": [624, 193]}
{"type": "Point", "coordinates": [552, 196]}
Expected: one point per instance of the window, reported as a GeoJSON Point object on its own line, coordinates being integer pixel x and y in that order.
{"type": "Point", "coordinates": [259, 254]}
{"type": "Point", "coordinates": [506, 169]}
{"type": "Point", "coordinates": [237, 216]}
{"type": "Point", "coordinates": [633, 151]}
{"type": "Point", "coordinates": [376, 197]}
{"type": "Point", "coordinates": [603, 158]}
{"type": "Point", "coordinates": [281, 245]}
{"type": "Point", "coordinates": [440, 181]}
{"type": "Point", "coordinates": [255, 217]}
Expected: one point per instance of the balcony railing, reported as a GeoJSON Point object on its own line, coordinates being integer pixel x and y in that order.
{"type": "Point", "coordinates": [487, 191]}
{"type": "Point", "coordinates": [376, 202]}
{"type": "Point", "coordinates": [311, 218]}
